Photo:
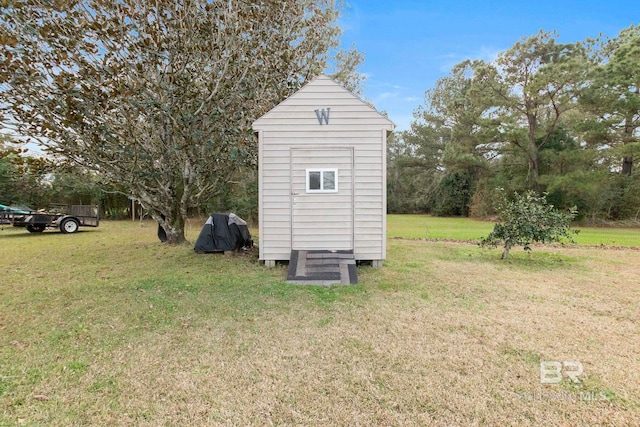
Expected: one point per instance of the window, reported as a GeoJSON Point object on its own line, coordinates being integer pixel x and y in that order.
{"type": "Point", "coordinates": [322, 180]}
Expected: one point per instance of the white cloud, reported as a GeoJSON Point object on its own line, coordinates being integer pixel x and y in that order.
{"type": "Point", "coordinates": [392, 86]}
{"type": "Point", "coordinates": [488, 53]}
{"type": "Point", "coordinates": [386, 95]}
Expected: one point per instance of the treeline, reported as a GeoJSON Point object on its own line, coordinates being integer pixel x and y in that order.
{"type": "Point", "coordinates": [40, 182]}
{"type": "Point", "coordinates": [556, 118]}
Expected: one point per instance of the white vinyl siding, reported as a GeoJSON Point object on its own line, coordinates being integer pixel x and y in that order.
{"type": "Point", "coordinates": [353, 125]}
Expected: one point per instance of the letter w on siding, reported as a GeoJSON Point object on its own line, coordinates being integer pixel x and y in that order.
{"type": "Point", "coordinates": [323, 115]}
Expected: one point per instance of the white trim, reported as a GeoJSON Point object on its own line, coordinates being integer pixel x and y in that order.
{"type": "Point", "coordinates": [322, 171]}
{"type": "Point", "coordinates": [384, 197]}
{"type": "Point", "coordinates": [353, 199]}
{"type": "Point", "coordinates": [260, 138]}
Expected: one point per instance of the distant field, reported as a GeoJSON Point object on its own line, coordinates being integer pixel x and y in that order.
{"type": "Point", "coordinates": [425, 226]}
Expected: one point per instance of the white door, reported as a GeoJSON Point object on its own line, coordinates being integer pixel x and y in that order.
{"type": "Point", "coordinates": [322, 198]}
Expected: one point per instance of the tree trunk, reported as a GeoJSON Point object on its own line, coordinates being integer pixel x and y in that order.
{"type": "Point", "coordinates": [175, 231]}
{"type": "Point", "coordinates": [169, 207]}
{"type": "Point", "coordinates": [505, 253]}
{"type": "Point", "coordinates": [627, 161]}
{"type": "Point", "coordinates": [627, 165]}
{"type": "Point", "coordinates": [173, 226]}
{"type": "Point", "coordinates": [534, 165]}
{"type": "Point", "coordinates": [533, 153]}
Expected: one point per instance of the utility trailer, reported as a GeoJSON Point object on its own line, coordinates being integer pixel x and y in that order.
{"type": "Point", "coordinates": [66, 218]}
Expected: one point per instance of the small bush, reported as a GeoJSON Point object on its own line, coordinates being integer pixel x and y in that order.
{"type": "Point", "coordinates": [526, 219]}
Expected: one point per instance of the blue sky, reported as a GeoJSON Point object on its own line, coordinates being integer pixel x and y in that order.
{"type": "Point", "coordinates": [409, 44]}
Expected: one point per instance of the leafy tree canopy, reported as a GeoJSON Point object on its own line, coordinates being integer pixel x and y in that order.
{"type": "Point", "coordinates": [159, 96]}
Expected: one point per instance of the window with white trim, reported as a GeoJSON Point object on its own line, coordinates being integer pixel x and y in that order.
{"type": "Point", "coordinates": [322, 180]}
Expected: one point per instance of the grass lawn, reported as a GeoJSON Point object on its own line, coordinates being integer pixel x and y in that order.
{"type": "Point", "coordinates": [425, 226]}
{"type": "Point", "coordinates": [110, 327]}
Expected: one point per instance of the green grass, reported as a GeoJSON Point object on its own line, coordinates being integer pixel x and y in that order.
{"type": "Point", "coordinates": [425, 226]}
{"type": "Point", "coordinates": [110, 327]}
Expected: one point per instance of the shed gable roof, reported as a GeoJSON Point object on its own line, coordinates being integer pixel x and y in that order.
{"type": "Point", "coordinates": [320, 93]}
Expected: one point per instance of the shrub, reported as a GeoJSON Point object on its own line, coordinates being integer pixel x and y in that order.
{"type": "Point", "coordinates": [526, 219]}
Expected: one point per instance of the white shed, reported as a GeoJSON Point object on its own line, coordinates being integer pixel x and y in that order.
{"type": "Point", "coordinates": [322, 174]}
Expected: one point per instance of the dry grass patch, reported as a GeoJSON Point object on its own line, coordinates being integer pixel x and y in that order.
{"type": "Point", "coordinates": [130, 332]}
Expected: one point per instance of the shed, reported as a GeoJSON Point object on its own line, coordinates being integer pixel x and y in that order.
{"type": "Point", "coordinates": [322, 175]}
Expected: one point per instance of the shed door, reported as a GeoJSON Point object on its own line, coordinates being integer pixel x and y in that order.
{"type": "Point", "coordinates": [322, 198]}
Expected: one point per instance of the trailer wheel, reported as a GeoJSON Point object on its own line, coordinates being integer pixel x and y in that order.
{"type": "Point", "coordinates": [35, 228]}
{"type": "Point", "coordinates": [69, 225]}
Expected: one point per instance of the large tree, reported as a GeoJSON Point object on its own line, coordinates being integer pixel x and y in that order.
{"type": "Point", "coordinates": [157, 95]}
{"type": "Point", "coordinates": [611, 100]}
{"type": "Point", "coordinates": [458, 108]}
{"type": "Point", "coordinates": [450, 142]}
{"type": "Point", "coordinates": [533, 85]}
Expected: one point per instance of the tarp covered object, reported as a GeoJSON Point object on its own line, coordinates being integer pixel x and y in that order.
{"type": "Point", "coordinates": [223, 232]}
